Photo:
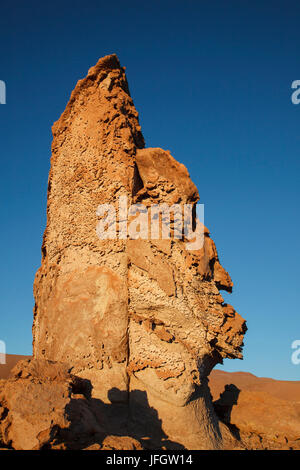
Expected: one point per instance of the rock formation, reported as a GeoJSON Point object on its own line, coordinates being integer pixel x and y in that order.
{"type": "Point", "coordinates": [43, 406]}
{"type": "Point", "coordinates": [141, 319]}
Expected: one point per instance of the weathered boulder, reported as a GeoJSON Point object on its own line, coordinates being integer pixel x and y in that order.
{"type": "Point", "coordinates": [141, 318]}
{"type": "Point", "coordinates": [43, 406]}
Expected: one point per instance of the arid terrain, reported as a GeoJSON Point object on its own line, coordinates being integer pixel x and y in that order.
{"type": "Point", "coordinates": [262, 413]}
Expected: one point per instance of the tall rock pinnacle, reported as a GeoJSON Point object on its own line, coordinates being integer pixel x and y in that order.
{"type": "Point", "coordinates": [142, 319]}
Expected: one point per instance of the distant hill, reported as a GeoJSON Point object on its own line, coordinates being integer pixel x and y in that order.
{"type": "Point", "coordinates": [282, 389]}
{"type": "Point", "coordinates": [263, 413]}
{"type": "Point", "coordinates": [11, 360]}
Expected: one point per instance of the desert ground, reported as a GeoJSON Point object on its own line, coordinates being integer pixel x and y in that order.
{"type": "Point", "coordinates": [261, 413]}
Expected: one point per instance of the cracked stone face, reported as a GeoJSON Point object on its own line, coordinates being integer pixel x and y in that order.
{"type": "Point", "coordinates": [129, 314]}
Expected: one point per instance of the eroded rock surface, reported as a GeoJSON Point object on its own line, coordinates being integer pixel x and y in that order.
{"type": "Point", "coordinates": [143, 320]}
{"type": "Point", "coordinates": [43, 406]}
{"type": "Point", "coordinates": [37, 404]}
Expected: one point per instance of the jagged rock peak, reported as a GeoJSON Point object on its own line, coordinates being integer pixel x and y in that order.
{"type": "Point", "coordinates": [141, 318]}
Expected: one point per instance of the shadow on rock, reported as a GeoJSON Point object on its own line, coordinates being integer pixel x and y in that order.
{"type": "Point", "coordinates": [223, 406]}
{"type": "Point", "coordinates": [99, 425]}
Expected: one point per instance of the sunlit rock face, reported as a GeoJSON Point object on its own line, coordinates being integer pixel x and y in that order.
{"type": "Point", "coordinates": [143, 318]}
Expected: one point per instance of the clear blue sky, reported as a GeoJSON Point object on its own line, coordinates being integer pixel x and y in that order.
{"type": "Point", "coordinates": [212, 83]}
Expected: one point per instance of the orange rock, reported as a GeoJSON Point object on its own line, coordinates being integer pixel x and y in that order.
{"type": "Point", "coordinates": [41, 409]}
{"type": "Point", "coordinates": [87, 286]}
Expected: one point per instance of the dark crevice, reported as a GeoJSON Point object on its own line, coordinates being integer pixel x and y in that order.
{"type": "Point", "coordinates": [137, 181]}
